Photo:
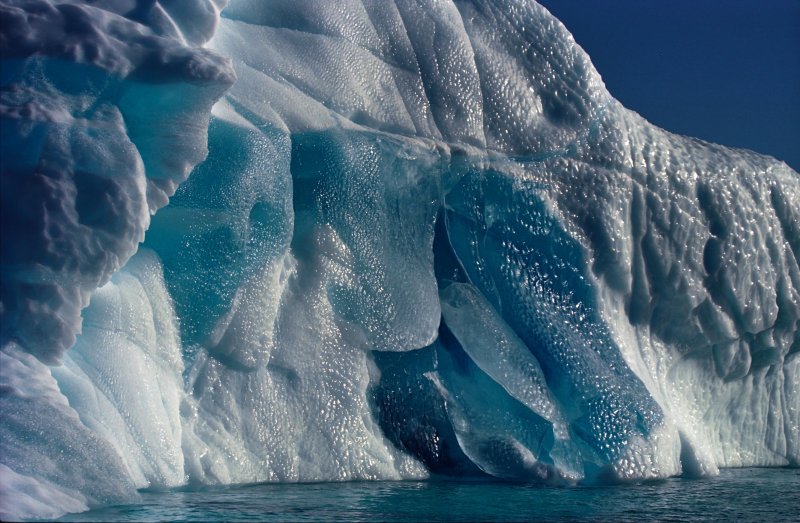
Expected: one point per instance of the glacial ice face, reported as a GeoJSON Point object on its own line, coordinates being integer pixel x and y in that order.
{"type": "Point", "coordinates": [104, 111]}
{"type": "Point", "coordinates": [426, 241]}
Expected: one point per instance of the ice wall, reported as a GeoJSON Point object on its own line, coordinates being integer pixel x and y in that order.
{"type": "Point", "coordinates": [426, 241]}
{"type": "Point", "coordinates": [104, 110]}
{"type": "Point", "coordinates": [595, 242]}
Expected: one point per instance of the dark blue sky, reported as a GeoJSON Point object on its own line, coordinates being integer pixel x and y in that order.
{"type": "Point", "coordinates": [726, 71]}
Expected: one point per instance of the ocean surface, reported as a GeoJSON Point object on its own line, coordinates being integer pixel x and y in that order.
{"type": "Point", "coordinates": [734, 495]}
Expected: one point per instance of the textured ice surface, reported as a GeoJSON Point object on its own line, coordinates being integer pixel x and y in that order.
{"type": "Point", "coordinates": [426, 240]}
{"type": "Point", "coordinates": [104, 110]}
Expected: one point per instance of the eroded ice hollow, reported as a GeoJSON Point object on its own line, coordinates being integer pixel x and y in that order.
{"type": "Point", "coordinates": [426, 241]}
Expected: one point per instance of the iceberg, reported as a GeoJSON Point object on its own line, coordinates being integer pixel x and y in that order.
{"type": "Point", "coordinates": [317, 241]}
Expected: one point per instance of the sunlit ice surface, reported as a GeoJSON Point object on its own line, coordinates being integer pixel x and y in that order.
{"type": "Point", "coordinates": [425, 242]}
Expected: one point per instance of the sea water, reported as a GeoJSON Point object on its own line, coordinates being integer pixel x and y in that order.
{"type": "Point", "coordinates": [734, 495]}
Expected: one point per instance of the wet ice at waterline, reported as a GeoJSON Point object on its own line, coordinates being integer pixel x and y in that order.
{"type": "Point", "coordinates": [307, 241]}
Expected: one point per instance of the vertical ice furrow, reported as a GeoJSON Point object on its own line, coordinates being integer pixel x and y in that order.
{"type": "Point", "coordinates": [497, 351]}
{"type": "Point", "coordinates": [129, 354]}
{"type": "Point", "coordinates": [447, 66]}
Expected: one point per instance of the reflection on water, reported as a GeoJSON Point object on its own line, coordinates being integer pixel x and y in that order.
{"type": "Point", "coordinates": [742, 495]}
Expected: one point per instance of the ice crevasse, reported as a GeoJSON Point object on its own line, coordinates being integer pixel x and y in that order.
{"type": "Point", "coordinates": [425, 242]}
